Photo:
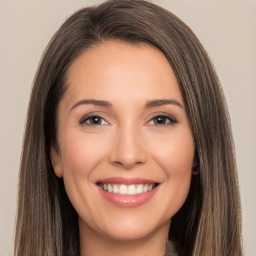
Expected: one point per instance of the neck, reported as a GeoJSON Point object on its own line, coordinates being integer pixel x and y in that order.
{"type": "Point", "coordinates": [92, 244]}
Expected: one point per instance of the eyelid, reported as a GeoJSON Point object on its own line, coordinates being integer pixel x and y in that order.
{"type": "Point", "coordinates": [92, 114]}
{"type": "Point", "coordinates": [172, 119]}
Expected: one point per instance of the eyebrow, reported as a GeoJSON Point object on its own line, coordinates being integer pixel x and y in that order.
{"type": "Point", "coordinates": [102, 103]}
{"type": "Point", "coordinates": [149, 104]}
{"type": "Point", "coordinates": [161, 102]}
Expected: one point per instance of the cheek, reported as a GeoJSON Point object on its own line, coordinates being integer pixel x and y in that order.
{"type": "Point", "coordinates": [80, 157]}
{"type": "Point", "coordinates": [176, 154]}
{"type": "Point", "coordinates": [81, 153]}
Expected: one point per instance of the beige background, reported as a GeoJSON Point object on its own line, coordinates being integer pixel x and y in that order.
{"type": "Point", "coordinates": [227, 29]}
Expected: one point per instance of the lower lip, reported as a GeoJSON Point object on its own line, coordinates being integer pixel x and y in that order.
{"type": "Point", "coordinates": [128, 201]}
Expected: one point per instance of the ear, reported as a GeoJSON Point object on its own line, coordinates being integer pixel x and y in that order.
{"type": "Point", "coordinates": [56, 161]}
{"type": "Point", "coordinates": [194, 172]}
{"type": "Point", "coordinates": [196, 165]}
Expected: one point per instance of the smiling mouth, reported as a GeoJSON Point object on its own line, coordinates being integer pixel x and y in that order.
{"type": "Point", "coordinates": [122, 189]}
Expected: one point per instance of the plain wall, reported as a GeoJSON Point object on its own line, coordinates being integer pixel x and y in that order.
{"type": "Point", "coordinates": [227, 29]}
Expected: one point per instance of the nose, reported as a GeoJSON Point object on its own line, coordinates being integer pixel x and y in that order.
{"type": "Point", "coordinates": [128, 149]}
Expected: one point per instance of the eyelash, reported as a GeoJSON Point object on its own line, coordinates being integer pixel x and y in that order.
{"type": "Point", "coordinates": [164, 117]}
{"type": "Point", "coordinates": [89, 117]}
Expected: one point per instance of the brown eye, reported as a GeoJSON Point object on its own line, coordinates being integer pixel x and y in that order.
{"type": "Point", "coordinates": [93, 120]}
{"type": "Point", "coordinates": [163, 120]}
{"type": "Point", "coordinates": [160, 120]}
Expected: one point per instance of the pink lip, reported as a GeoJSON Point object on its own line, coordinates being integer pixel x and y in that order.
{"type": "Point", "coordinates": [127, 201]}
{"type": "Point", "coordinates": [126, 180]}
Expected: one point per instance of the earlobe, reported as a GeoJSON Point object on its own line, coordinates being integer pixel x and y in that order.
{"type": "Point", "coordinates": [56, 161]}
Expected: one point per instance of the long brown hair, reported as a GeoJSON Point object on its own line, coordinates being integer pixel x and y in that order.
{"type": "Point", "coordinates": [209, 221]}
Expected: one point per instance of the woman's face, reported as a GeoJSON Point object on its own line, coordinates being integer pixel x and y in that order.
{"type": "Point", "coordinates": [125, 146]}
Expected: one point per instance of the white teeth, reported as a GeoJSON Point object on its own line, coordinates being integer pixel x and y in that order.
{"type": "Point", "coordinates": [122, 189]}
{"type": "Point", "coordinates": [109, 188]}
{"type": "Point", "coordinates": [115, 189]}
{"type": "Point", "coordinates": [139, 189]}
{"type": "Point", "coordinates": [145, 189]}
{"type": "Point", "coordinates": [131, 190]}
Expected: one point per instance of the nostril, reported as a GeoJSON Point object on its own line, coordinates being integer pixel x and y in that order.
{"type": "Point", "coordinates": [127, 153]}
{"type": "Point", "coordinates": [127, 164]}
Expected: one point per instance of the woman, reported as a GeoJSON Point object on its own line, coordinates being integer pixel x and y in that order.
{"type": "Point", "coordinates": [128, 148]}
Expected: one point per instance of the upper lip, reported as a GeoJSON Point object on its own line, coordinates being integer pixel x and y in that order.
{"type": "Point", "coordinates": [126, 180]}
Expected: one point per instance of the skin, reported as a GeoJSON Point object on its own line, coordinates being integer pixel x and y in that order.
{"type": "Point", "coordinates": [127, 142]}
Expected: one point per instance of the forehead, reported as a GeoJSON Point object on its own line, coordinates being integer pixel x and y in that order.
{"type": "Point", "coordinates": [116, 69]}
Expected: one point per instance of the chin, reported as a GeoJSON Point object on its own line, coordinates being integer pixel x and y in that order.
{"type": "Point", "coordinates": [123, 227]}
